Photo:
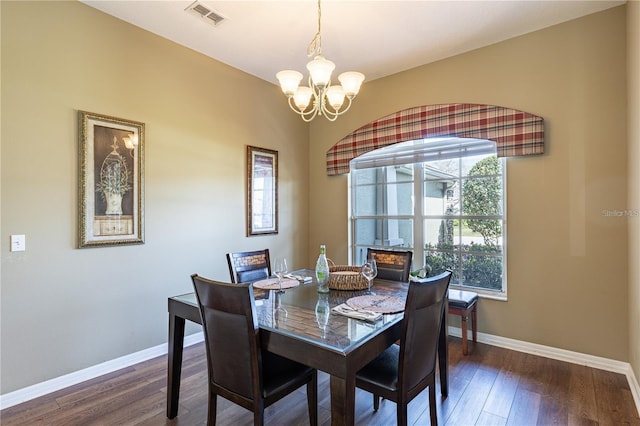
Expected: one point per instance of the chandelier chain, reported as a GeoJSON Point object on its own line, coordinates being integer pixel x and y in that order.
{"type": "Point", "coordinates": [316, 43]}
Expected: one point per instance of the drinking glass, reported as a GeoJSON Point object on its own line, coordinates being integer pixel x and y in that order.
{"type": "Point", "coordinates": [369, 271]}
{"type": "Point", "coordinates": [280, 270]}
{"type": "Point", "coordinates": [279, 312]}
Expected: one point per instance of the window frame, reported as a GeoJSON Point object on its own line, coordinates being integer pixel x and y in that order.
{"type": "Point", "coordinates": [419, 217]}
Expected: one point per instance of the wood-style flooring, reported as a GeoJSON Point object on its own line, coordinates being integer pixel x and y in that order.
{"type": "Point", "coordinates": [491, 386]}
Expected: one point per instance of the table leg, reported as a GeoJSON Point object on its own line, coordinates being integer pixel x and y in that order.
{"type": "Point", "coordinates": [443, 355]}
{"type": "Point", "coordinates": [176, 343]}
{"type": "Point", "coordinates": [343, 400]}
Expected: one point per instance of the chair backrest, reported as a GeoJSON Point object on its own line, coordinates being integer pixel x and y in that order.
{"type": "Point", "coordinates": [392, 265]}
{"type": "Point", "coordinates": [424, 310]}
{"type": "Point", "coordinates": [231, 334]}
{"type": "Point", "coordinates": [249, 266]}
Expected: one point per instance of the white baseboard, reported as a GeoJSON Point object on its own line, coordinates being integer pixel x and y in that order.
{"type": "Point", "coordinates": [635, 387]}
{"type": "Point", "coordinates": [561, 355]}
{"type": "Point", "coordinates": [39, 389]}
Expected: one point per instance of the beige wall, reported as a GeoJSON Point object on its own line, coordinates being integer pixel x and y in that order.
{"type": "Point", "coordinates": [567, 263]}
{"type": "Point", "coordinates": [633, 67]}
{"type": "Point", "coordinates": [64, 309]}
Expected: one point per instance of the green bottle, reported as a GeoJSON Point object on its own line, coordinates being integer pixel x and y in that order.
{"type": "Point", "coordinates": [322, 271]}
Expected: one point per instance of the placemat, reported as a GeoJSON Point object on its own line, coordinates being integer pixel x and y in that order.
{"type": "Point", "coordinates": [377, 303]}
{"type": "Point", "coordinates": [272, 283]}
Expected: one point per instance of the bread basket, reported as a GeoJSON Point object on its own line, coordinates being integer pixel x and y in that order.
{"type": "Point", "coordinates": [346, 277]}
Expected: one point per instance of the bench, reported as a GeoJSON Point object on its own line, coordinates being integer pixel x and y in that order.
{"type": "Point", "coordinates": [464, 303]}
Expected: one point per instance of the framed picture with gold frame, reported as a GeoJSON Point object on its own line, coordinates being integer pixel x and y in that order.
{"type": "Point", "coordinates": [111, 181]}
{"type": "Point", "coordinates": [262, 191]}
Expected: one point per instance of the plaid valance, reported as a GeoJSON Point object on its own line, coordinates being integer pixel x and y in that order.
{"type": "Point", "coordinates": [516, 133]}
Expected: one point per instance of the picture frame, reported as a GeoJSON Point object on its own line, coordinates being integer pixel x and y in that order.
{"type": "Point", "coordinates": [262, 191]}
{"type": "Point", "coordinates": [111, 181]}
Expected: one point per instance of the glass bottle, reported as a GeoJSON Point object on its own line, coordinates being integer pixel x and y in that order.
{"type": "Point", "coordinates": [323, 311]}
{"type": "Point", "coordinates": [322, 271]}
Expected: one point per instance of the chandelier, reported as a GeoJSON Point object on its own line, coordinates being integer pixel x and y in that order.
{"type": "Point", "coordinates": [320, 88]}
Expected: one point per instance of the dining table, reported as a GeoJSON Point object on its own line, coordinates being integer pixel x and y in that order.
{"type": "Point", "coordinates": [300, 324]}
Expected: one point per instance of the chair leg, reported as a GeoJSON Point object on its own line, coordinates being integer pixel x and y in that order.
{"type": "Point", "coordinates": [258, 412]}
{"type": "Point", "coordinates": [432, 404]}
{"type": "Point", "coordinates": [401, 407]}
{"type": "Point", "coordinates": [463, 327]}
{"type": "Point", "coordinates": [376, 402]}
{"type": "Point", "coordinates": [258, 417]}
{"type": "Point", "coordinates": [312, 399]}
{"type": "Point", "coordinates": [213, 406]}
{"type": "Point", "coordinates": [474, 322]}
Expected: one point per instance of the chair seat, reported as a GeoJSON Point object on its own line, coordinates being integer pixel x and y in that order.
{"type": "Point", "coordinates": [464, 303]}
{"type": "Point", "coordinates": [462, 299]}
{"type": "Point", "coordinates": [279, 374]}
{"type": "Point", "coordinates": [383, 371]}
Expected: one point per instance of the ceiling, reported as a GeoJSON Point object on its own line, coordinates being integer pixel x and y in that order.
{"type": "Point", "coordinates": [377, 38]}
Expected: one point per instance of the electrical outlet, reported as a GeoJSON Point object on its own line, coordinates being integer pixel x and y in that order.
{"type": "Point", "coordinates": [18, 243]}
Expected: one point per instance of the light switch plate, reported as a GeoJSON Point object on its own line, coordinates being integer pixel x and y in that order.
{"type": "Point", "coordinates": [18, 243]}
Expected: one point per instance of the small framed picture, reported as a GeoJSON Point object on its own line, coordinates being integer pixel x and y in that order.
{"type": "Point", "coordinates": [262, 191]}
{"type": "Point", "coordinates": [111, 181]}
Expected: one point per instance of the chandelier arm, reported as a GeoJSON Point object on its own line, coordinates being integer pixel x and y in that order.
{"type": "Point", "coordinates": [308, 118]}
{"type": "Point", "coordinates": [335, 114]}
{"type": "Point", "coordinates": [291, 105]}
{"type": "Point", "coordinates": [330, 115]}
{"type": "Point", "coordinates": [342, 111]}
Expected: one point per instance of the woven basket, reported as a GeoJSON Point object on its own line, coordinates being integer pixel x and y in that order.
{"type": "Point", "coordinates": [345, 277]}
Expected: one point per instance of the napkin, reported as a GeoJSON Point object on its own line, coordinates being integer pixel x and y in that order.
{"type": "Point", "coordinates": [361, 314]}
{"type": "Point", "coordinates": [302, 279]}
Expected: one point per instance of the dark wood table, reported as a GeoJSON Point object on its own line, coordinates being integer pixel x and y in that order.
{"type": "Point", "coordinates": [340, 348]}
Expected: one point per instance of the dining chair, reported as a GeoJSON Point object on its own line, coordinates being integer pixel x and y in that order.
{"type": "Point", "coordinates": [394, 265]}
{"type": "Point", "coordinates": [402, 371]}
{"type": "Point", "coordinates": [238, 369]}
{"type": "Point", "coordinates": [249, 266]}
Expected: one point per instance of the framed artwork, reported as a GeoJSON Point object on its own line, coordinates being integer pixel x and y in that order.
{"type": "Point", "coordinates": [111, 181]}
{"type": "Point", "coordinates": [262, 191]}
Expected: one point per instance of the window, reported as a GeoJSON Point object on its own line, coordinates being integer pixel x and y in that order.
{"type": "Point", "coordinates": [442, 198]}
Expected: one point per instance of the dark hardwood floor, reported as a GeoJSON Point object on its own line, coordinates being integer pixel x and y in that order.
{"type": "Point", "coordinates": [491, 386]}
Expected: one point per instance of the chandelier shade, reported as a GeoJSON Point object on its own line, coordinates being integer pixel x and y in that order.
{"type": "Point", "coordinates": [351, 82]}
{"type": "Point", "coordinates": [320, 71]}
{"type": "Point", "coordinates": [289, 81]}
{"type": "Point", "coordinates": [319, 86]}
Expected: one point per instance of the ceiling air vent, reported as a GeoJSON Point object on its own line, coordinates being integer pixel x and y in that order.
{"type": "Point", "coordinates": [205, 13]}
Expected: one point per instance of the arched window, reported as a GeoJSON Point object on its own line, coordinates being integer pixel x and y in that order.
{"type": "Point", "coordinates": [443, 199]}
{"type": "Point", "coordinates": [437, 186]}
